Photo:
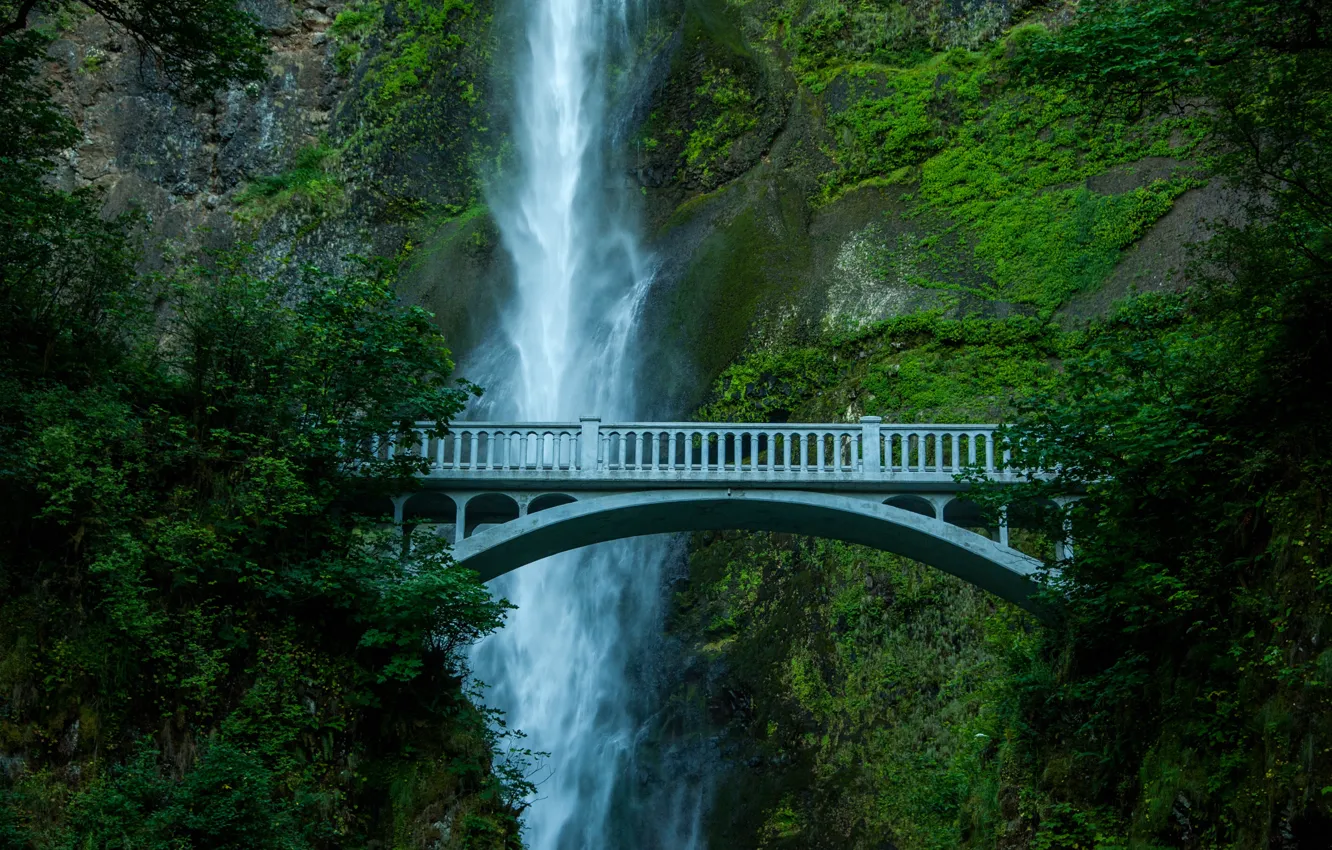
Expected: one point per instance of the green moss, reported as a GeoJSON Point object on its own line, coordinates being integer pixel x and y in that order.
{"type": "Point", "coordinates": [714, 111]}
{"type": "Point", "coordinates": [1043, 248]}
{"type": "Point", "coordinates": [93, 60]}
{"type": "Point", "coordinates": [874, 681]}
{"type": "Point", "coordinates": [420, 119]}
{"type": "Point", "coordinates": [879, 703]}
{"type": "Point", "coordinates": [880, 32]}
{"type": "Point", "coordinates": [916, 368]}
{"type": "Point", "coordinates": [999, 167]}
{"type": "Point", "coordinates": [730, 110]}
{"type": "Point", "coordinates": [896, 118]}
{"type": "Point", "coordinates": [1000, 180]}
{"type": "Point", "coordinates": [471, 228]}
{"type": "Point", "coordinates": [431, 35]}
{"type": "Point", "coordinates": [731, 282]}
{"type": "Point", "coordinates": [870, 711]}
{"type": "Point", "coordinates": [311, 185]}
{"type": "Point", "coordinates": [350, 31]}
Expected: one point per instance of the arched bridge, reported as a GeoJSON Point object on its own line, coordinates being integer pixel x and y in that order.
{"type": "Point", "coordinates": [509, 494]}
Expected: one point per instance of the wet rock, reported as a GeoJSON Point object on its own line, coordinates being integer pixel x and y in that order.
{"type": "Point", "coordinates": [275, 16]}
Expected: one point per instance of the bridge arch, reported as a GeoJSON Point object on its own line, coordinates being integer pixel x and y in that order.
{"type": "Point", "coordinates": [1009, 574]}
{"type": "Point", "coordinates": [913, 504]}
{"type": "Point", "coordinates": [547, 501]}
{"type": "Point", "coordinates": [489, 509]}
{"type": "Point", "coordinates": [430, 507]}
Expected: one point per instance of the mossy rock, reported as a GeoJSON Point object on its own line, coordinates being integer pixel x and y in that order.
{"type": "Point", "coordinates": [460, 273]}
{"type": "Point", "coordinates": [756, 265]}
{"type": "Point", "coordinates": [718, 110]}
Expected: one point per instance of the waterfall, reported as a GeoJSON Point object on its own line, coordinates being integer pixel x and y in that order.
{"type": "Point", "coordinates": [563, 667]}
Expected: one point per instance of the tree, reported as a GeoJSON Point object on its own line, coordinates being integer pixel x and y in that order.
{"type": "Point", "coordinates": [1181, 699]}
{"type": "Point", "coordinates": [209, 634]}
{"type": "Point", "coordinates": [199, 45]}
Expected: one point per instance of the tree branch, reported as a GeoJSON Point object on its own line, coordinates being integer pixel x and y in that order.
{"type": "Point", "coordinates": [20, 19]}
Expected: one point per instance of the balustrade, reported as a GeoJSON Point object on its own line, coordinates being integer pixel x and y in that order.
{"type": "Point", "coordinates": [868, 451]}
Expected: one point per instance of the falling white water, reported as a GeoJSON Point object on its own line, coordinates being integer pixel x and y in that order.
{"type": "Point", "coordinates": [562, 668]}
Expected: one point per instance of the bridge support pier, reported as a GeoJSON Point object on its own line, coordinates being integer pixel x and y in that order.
{"type": "Point", "coordinates": [460, 529]}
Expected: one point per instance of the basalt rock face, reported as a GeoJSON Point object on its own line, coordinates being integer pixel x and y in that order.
{"type": "Point", "coordinates": [183, 166]}
{"type": "Point", "coordinates": [801, 169]}
{"type": "Point", "coordinates": [818, 166]}
{"type": "Point", "coordinates": [351, 147]}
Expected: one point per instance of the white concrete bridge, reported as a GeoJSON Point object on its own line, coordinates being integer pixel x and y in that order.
{"type": "Point", "coordinates": [509, 494]}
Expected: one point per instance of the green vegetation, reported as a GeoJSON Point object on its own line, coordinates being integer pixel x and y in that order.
{"type": "Point", "coordinates": [309, 185]}
{"type": "Point", "coordinates": [993, 183]}
{"type": "Point", "coordinates": [1000, 167]}
{"type": "Point", "coordinates": [714, 116]}
{"type": "Point", "coordinates": [419, 76]}
{"type": "Point", "coordinates": [888, 32]}
{"type": "Point", "coordinates": [208, 639]}
{"type": "Point", "coordinates": [726, 108]}
{"type": "Point", "coordinates": [1186, 676]}
{"type": "Point", "coordinates": [1184, 697]}
{"type": "Point", "coordinates": [350, 31]}
{"type": "Point", "coordinates": [208, 636]}
{"type": "Point", "coordinates": [869, 691]}
{"type": "Point", "coordinates": [917, 368]}
{"type": "Point", "coordinates": [862, 686]}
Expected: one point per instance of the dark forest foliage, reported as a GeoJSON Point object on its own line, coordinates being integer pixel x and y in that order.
{"type": "Point", "coordinates": [1183, 698]}
{"type": "Point", "coordinates": [1186, 701]}
{"type": "Point", "coordinates": [207, 639]}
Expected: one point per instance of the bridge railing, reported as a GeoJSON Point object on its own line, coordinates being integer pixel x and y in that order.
{"type": "Point", "coordinates": [591, 449]}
